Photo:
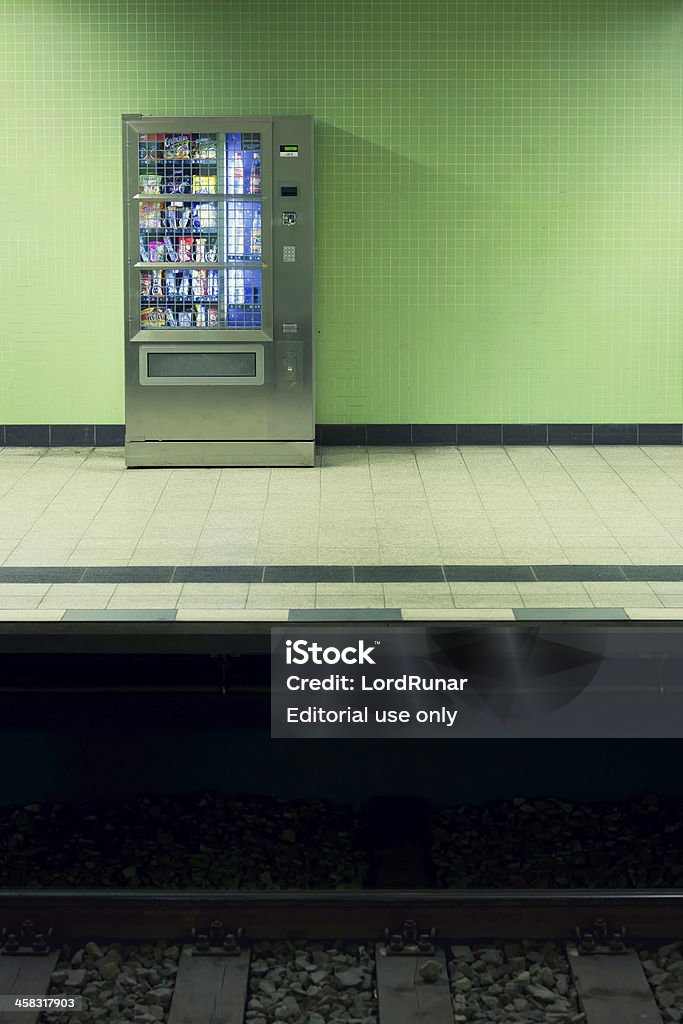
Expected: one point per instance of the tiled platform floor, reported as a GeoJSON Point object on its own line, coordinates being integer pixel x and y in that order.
{"type": "Point", "coordinates": [612, 508]}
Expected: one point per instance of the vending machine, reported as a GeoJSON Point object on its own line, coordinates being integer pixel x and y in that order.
{"type": "Point", "coordinates": [218, 244]}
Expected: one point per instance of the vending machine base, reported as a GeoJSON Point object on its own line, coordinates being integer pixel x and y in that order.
{"type": "Point", "coordinates": [157, 454]}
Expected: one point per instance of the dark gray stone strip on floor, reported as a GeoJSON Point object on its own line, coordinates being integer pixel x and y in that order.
{"type": "Point", "coordinates": [340, 573]}
{"type": "Point", "coordinates": [120, 614]}
{"type": "Point", "coordinates": [342, 614]}
{"type": "Point", "coordinates": [569, 613]}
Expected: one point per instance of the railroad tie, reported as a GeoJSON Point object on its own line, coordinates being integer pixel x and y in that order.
{"type": "Point", "coordinates": [613, 989]}
{"type": "Point", "coordinates": [406, 996]}
{"type": "Point", "coordinates": [210, 989]}
{"type": "Point", "coordinates": [24, 976]}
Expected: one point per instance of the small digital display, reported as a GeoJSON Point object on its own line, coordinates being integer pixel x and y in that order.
{"type": "Point", "coordinates": [289, 150]}
{"type": "Point", "coordinates": [289, 190]}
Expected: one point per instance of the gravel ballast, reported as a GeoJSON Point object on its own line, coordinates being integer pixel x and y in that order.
{"type": "Point", "coordinates": [311, 983]}
{"type": "Point", "coordinates": [517, 982]}
{"type": "Point", "coordinates": [664, 970]}
{"type": "Point", "coordinates": [117, 983]}
{"type": "Point", "coordinates": [196, 842]}
{"type": "Point", "coordinates": [550, 843]}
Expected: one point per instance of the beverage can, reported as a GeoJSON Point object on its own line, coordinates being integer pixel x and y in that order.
{"type": "Point", "coordinates": [185, 249]}
{"type": "Point", "coordinates": [212, 284]}
{"type": "Point", "coordinates": [200, 314]}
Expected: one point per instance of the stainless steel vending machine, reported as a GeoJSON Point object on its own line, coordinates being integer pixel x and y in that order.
{"type": "Point", "coordinates": [218, 290]}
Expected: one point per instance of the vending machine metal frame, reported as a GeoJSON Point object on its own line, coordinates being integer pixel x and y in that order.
{"type": "Point", "coordinates": [178, 410]}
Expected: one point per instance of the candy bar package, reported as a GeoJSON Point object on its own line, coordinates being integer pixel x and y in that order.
{"type": "Point", "coordinates": [146, 283]}
{"type": "Point", "coordinates": [171, 254]}
{"type": "Point", "coordinates": [203, 182]}
{"type": "Point", "coordinates": [157, 251]}
{"type": "Point", "coordinates": [150, 215]}
{"type": "Point", "coordinates": [150, 183]}
{"type": "Point", "coordinates": [199, 250]}
{"type": "Point", "coordinates": [213, 316]}
{"type": "Point", "coordinates": [152, 317]}
{"type": "Point", "coordinates": [184, 318]}
{"type": "Point", "coordinates": [176, 147]}
{"type": "Point", "coordinates": [204, 148]}
{"type": "Point", "coordinates": [200, 313]}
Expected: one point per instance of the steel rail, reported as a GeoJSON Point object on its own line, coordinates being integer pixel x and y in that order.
{"type": "Point", "coordinates": [361, 914]}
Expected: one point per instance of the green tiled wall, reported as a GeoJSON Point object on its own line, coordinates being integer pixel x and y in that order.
{"type": "Point", "coordinates": [498, 196]}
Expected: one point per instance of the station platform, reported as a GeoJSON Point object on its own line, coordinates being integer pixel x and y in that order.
{"type": "Point", "coordinates": [422, 533]}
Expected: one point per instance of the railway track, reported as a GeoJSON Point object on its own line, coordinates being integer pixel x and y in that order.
{"type": "Point", "coordinates": [416, 956]}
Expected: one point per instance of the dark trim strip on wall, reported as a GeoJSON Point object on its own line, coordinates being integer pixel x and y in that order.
{"type": "Point", "coordinates": [112, 435]}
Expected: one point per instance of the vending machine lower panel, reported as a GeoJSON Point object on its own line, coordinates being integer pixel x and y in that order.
{"type": "Point", "coordinates": [219, 291]}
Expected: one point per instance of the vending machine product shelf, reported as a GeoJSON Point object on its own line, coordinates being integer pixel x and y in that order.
{"type": "Point", "coordinates": [218, 241]}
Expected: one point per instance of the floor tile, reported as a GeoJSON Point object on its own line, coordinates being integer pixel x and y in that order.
{"type": "Point", "coordinates": [665, 614]}
{"type": "Point", "coordinates": [399, 573]}
{"type": "Point", "coordinates": [232, 615]}
{"type": "Point", "coordinates": [31, 615]}
{"type": "Point", "coordinates": [458, 614]}
{"type": "Point", "coordinates": [119, 615]}
{"type": "Point", "coordinates": [81, 595]}
{"type": "Point", "coordinates": [417, 595]}
{"type": "Point", "coordinates": [570, 613]}
{"type": "Point", "coordinates": [281, 595]}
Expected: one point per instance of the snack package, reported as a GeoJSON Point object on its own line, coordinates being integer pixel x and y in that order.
{"type": "Point", "coordinates": [146, 283]}
{"type": "Point", "coordinates": [184, 318]}
{"type": "Point", "coordinates": [144, 255]}
{"type": "Point", "coordinates": [203, 182]}
{"type": "Point", "coordinates": [157, 251]}
{"type": "Point", "coordinates": [169, 282]}
{"type": "Point", "coordinates": [150, 215]}
{"type": "Point", "coordinates": [150, 183]}
{"type": "Point", "coordinates": [185, 249]}
{"type": "Point", "coordinates": [183, 216]}
{"type": "Point", "coordinates": [200, 313]}
{"type": "Point", "coordinates": [199, 250]}
{"type": "Point", "coordinates": [213, 316]}
{"type": "Point", "coordinates": [204, 147]}
{"type": "Point", "coordinates": [151, 148]}
{"type": "Point", "coordinates": [212, 284]}
{"type": "Point", "coordinates": [204, 215]}
{"type": "Point", "coordinates": [211, 254]}
{"type": "Point", "coordinates": [176, 147]}
{"type": "Point", "coordinates": [171, 254]}
{"type": "Point", "coordinates": [170, 318]}
{"type": "Point", "coordinates": [157, 288]}
{"type": "Point", "coordinates": [198, 284]}
{"type": "Point", "coordinates": [177, 184]}
{"type": "Point", "coordinates": [170, 216]}
{"type": "Point", "coordinates": [185, 281]}
{"type": "Point", "coordinates": [152, 317]}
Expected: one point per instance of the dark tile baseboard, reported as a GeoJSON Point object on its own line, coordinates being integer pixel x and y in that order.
{"type": "Point", "coordinates": [461, 434]}
{"type": "Point", "coordinates": [112, 435]}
